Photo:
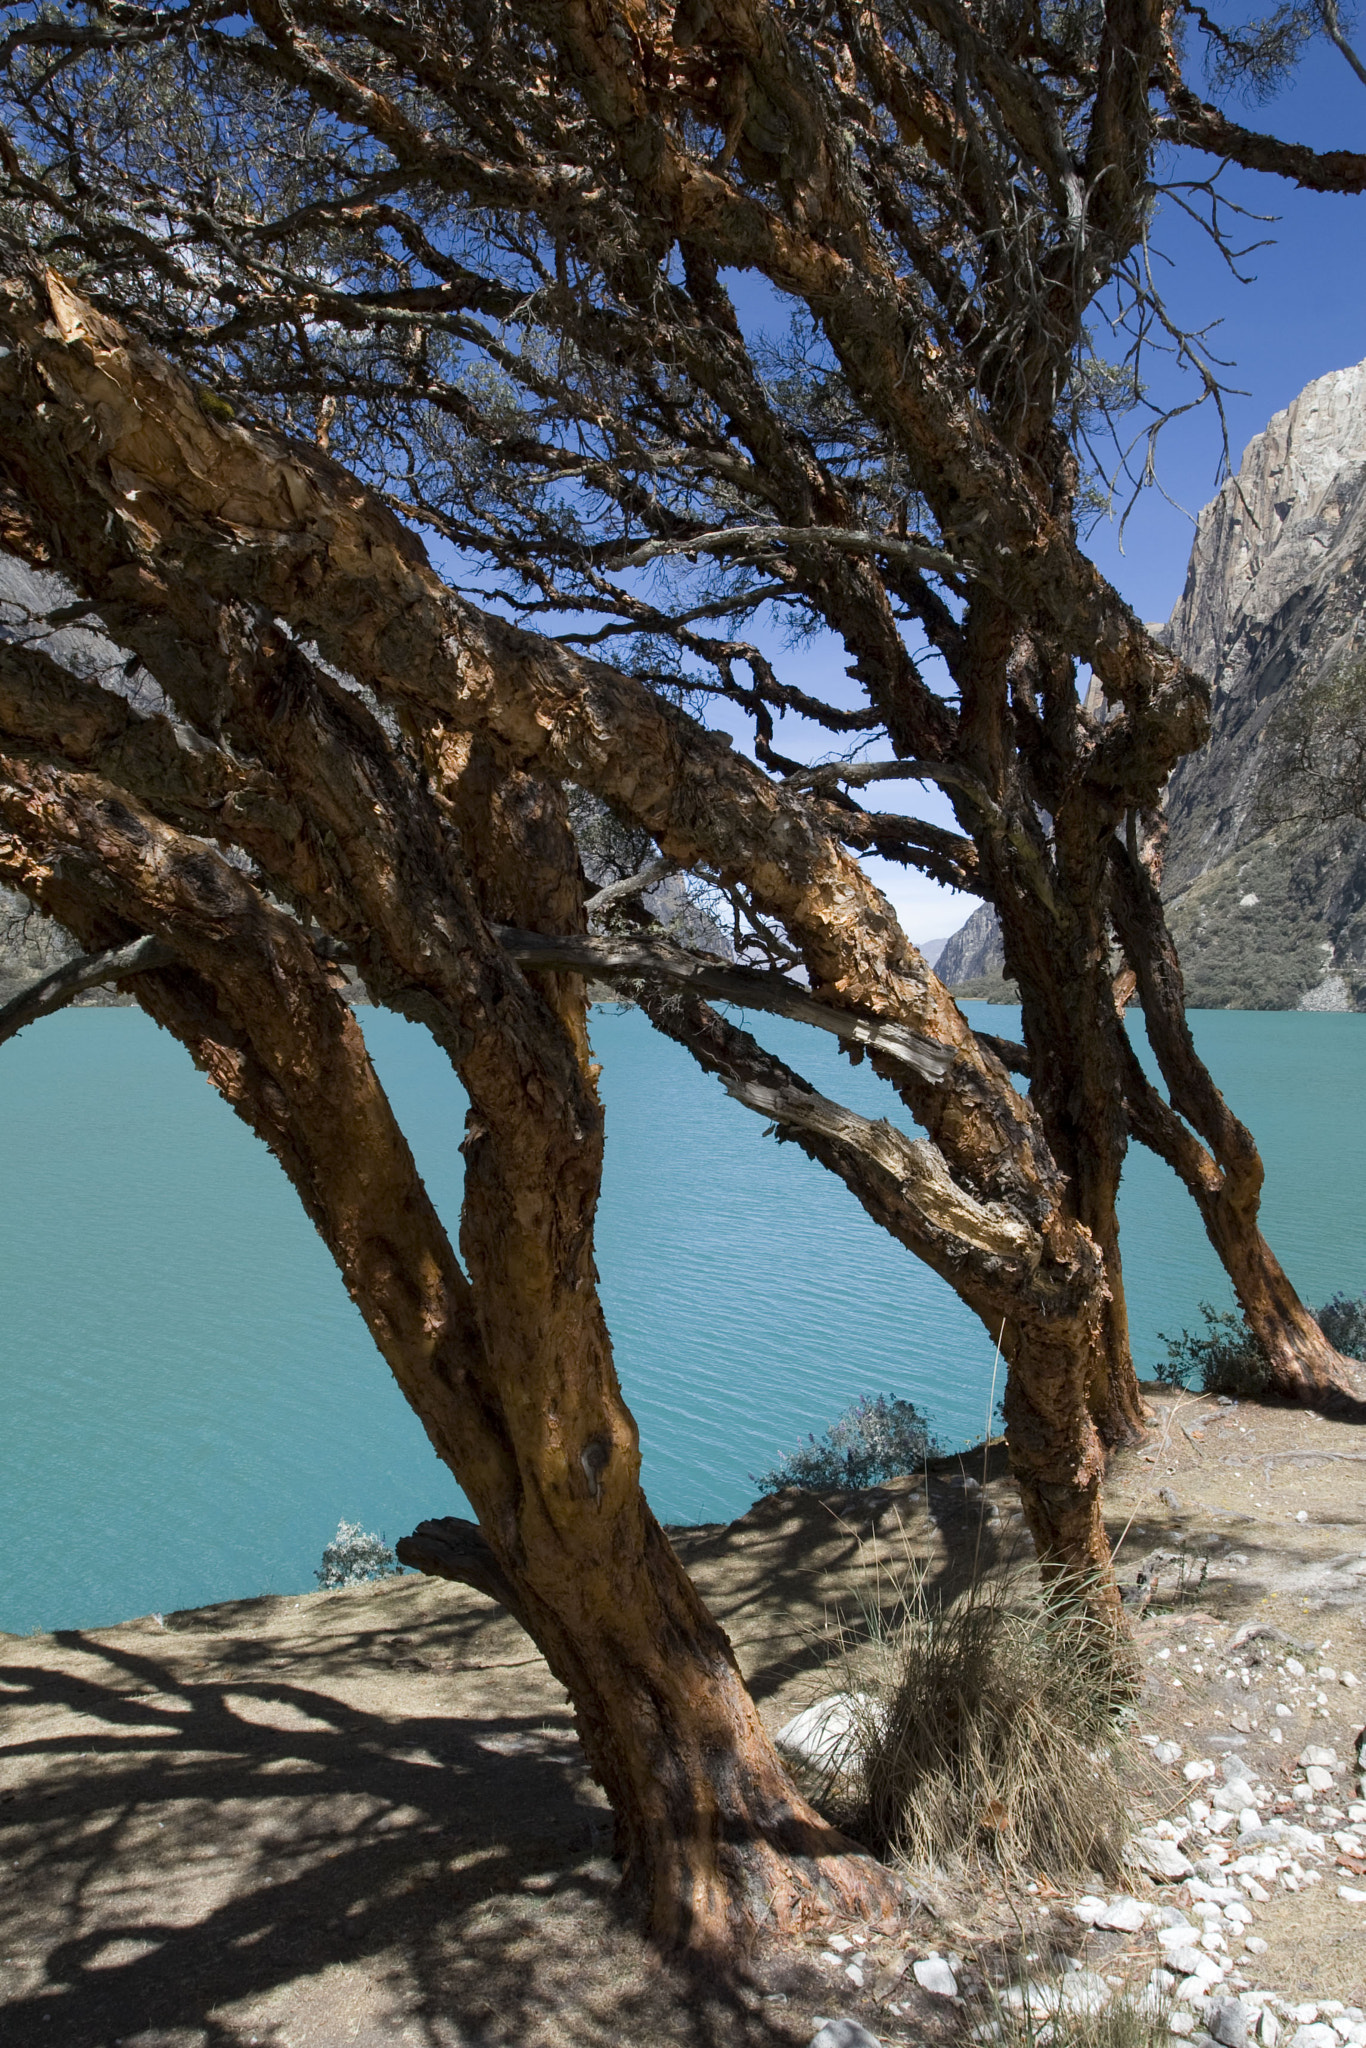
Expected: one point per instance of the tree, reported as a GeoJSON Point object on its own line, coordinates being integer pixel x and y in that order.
{"type": "Point", "coordinates": [488, 265]}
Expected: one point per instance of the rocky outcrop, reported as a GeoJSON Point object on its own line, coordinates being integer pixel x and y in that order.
{"type": "Point", "coordinates": [1266, 916]}
{"type": "Point", "coordinates": [1271, 917]}
{"type": "Point", "coordinates": [973, 953]}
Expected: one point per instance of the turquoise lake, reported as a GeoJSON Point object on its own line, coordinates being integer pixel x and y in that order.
{"type": "Point", "coordinates": [190, 1402]}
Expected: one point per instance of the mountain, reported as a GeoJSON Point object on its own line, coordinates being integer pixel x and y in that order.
{"type": "Point", "coordinates": [973, 959]}
{"type": "Point", "coordinates": [1272, 918]}
{"type": "Point", "coordinates": [1267, 917]}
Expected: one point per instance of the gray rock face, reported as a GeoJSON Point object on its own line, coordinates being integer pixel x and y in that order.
{"type": "Point", "coordinates": [1265, 917]}
{"type": "Point", "coordinates": [1276, 588]}
{"type": "Point", "coordinates": [973, 951]}
{"type": "Point", "coordinates": [31, 944]}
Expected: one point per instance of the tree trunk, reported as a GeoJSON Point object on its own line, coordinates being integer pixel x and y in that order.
{"type": "Point", "coordinates": [1058, 1458]}
{"type": "Point", "coordinates": [715, 1841]}
{"type": "Point", "coordinates": [517, 1393]}
{"type": "Point", "coordinates": [1225, 1180]}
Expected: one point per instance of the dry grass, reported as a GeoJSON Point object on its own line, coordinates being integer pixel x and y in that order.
{"type": "Point", "coordinates": [1048, 2019]}
{"type": "Point", "coordinates": [987, 1725]}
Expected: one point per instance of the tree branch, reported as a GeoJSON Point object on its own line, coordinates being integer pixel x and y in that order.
{"type": "Point", "coordinates": [448, 1548]}
{"type": "Point", "coordinates": [1201, 126]}
{"type": "Point", "coordinates": [657, 959]}
{"type": "Point", "coordinates": [52, 992]}
{"type": "Point", "coordinates": [903, 1183]}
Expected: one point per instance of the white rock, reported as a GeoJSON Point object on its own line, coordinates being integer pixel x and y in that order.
{"type": "Point", "coordinates": [1317, 1755]}
{"type": "Point", "coordinates": [1268, 2027]}
{"type": "Point", "coordinates": [1318, 1778]}
{"type": "Point", "coordinates": [1249, 1820]}
{"type": "Point", "coordinates": [1180, 2023]}
{"type": "Point", "coordinates": [933, 1974]}
{"type": "Point", "coordinates": [1088, 1909]}
{"type": "Point", "coordinates": [840, 1943]}
{"type": "Point", "coordinates": [1084, 1991]}
{"type": "Point", "coordinates": [1254, 1944]}
{"type": "Point", "coordinates": [1228, 2023]}
{"type": "Point", "coordinates": [1124, 1916]}
{"type": "Point", "coordinates": [843, 2034]}
{"type": "Point", "coordinates": [1162, 1860]}
{"type": "Point", "coordinates": [1352, 1894]}
{"type": "Point", "coordinates": [826, 1733]}
{"type": "Point", "coordinates": [1318, 2035]}
{"type": "Point", "coordinates": [1167, 1753]}
{"type": "Point", "coordinates": [1197, 1769]}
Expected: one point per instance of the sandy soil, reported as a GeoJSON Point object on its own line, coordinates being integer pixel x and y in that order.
{"type": "Point", "coordinates": [363, 1817]}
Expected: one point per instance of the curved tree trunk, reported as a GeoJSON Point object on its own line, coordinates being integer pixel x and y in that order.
{"type": "Point", "coordinates": [345, 575]}
{"type": "Point", "coordinates": [517, 1392]}
{"type": "Point", "coordinates": [1225, 1180]}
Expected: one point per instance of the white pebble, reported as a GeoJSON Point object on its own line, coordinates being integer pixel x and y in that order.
{"type": "Point", "coordinates": [933, 1974]}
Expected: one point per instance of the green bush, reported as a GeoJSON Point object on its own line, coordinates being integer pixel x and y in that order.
{"type": "Point", "coordinates": [1229, 1360]}
{"type": "Point", "coordinates": [1226, 1360]}
{"type": "Point", "coordinates": [1343, 1322]}
{"type": "Point", "coordinates": [353, 1557]}
{"type": "Point", "coordinates": [879, 1438]}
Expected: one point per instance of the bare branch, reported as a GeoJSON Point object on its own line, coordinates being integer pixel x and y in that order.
{"type": "Point", "coordinates": [53, 991]}
{"type": "Point", "coordinates": [658, 959]}
{"type": "Point", "coordinates": [630, 885]}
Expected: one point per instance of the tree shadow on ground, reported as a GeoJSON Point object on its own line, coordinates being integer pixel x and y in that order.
{"type": "Point", "coordinates": [228, 1858]}
{"type": "Point", "coordinates": [365, 1817]}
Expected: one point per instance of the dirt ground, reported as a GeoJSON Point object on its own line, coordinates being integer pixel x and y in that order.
{"type": "Point", "coordinates": [363, 1817]}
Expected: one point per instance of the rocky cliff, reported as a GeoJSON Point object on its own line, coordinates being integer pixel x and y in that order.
{"type": "Point", "coordinates": [974, 954]}
{"type": "Point", "coordinates": [1265, 917]}
{"type": "Point", "coordinates": [1272, 918]}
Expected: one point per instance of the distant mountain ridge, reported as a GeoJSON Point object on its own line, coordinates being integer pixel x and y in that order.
{"type": "Point", "coordinates": [1265, 917]}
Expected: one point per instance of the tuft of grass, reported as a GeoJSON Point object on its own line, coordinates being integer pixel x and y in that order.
{"type": "Point", "coordinates": [987, 1726]}
{"type": "Point", "coordinates": [1048, 2018]}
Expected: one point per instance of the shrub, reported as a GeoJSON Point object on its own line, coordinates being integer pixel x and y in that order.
{"type": "Point", "coordinates": [879, 1438]}
{"type": "Point", "coordinates": [1343, 1322]}
{"type": "Point", "coordinates": [353, 1557]}
{"type": "Point", "coordinates": [986, 1726]}
{"type": "Point", "coordinates": [1226, 1360]}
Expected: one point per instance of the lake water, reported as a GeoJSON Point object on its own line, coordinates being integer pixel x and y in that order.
{"type": "Point", "coordinates": [190, 1402]}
